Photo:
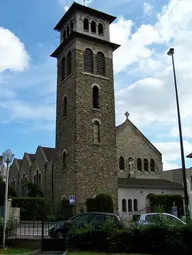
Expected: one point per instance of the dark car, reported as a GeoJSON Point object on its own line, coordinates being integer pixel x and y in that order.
{"type": "Point", "coordinates": [95, 219]}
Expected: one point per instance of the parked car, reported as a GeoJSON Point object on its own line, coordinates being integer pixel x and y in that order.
{"type": "Point", "coordinates": [157, 218]}
{"type": "Point", "coordinates": [96, 219]}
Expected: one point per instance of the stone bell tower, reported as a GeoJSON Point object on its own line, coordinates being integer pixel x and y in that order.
{"type": "Point", "coordinates": [86, 161]}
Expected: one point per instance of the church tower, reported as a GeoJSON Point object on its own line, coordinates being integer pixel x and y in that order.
{"type": "Point", "coordinates": [86, 159]}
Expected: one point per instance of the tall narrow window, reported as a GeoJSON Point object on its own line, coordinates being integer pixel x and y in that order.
{"type": "Point", "coordinates": [37, 177]}
{"type": "Point", "coordinates": [95, 97]}
{"type": "Point", "coordinates": [135, 205]}
{"type": "Point", "coordinates": [124, 205]}
{"type": "Point", "coordinates": [34, 179]}
{"type": "Point", "coordinates": [64, 160]}
{"type": "Point", "coordinates": [64, 34]}
{"type": "Point", "coordinates": [121, 163]}
{"type": "Point", "coordinates": [40, 180]}
{"type": "Point", "coordinates": [152, 165]}
{"type": "Point", "coordinates": [65, 107]}
{"type": "Point", "coordinates": [146, 167]}
{"type": "Point", "coordinates": [139, 164]}
{"type": "Point", "coordinates": [93, 26]}
{"type": "Point", "coordinates": [96, 132]}
{"type": "Point", "coordinates": [86, 24]}
{"type": "Point", "coordinates": [68, 30]}
{"type": "Point", "coordinates": [100, 29]}
{"type": "Point", "coordinates": [69, 64]}
{"type": "Point", "coordinates": [100, 59]}
{"type": "Point", "coordinates": [62, 69]}
{"type": "Point", "coordinates": [130, 209]}
{"type": "Point", "coordinates": [88, 61]}
{"type": "Point", "coordinates": [71, 26]}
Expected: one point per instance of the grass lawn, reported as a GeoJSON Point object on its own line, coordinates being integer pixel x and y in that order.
{"type": "Point", "coordinates": [15, 251]}
{"type": "Point", "coordinates": [98, 253]}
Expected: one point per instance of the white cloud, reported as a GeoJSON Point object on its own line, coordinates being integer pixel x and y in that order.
{"type": "Point", "coordinates": [168, 166]}
{"type": "Point", "coordinates": [186, 131]}
{"type": "Point", "coordinates": [66, 8]}
{"type": "Point", "coordinates": [12, 51]}
{"type": "Point", "coordinates": [147, 9]}
{"type": "Point", "coordinates": [66, 2]}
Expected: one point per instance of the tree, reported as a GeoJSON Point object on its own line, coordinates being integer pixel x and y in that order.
{"type": "Point", "coordinates": [33, 190]}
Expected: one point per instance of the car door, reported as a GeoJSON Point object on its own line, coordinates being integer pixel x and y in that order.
{"type": "Point", "coordinates": [97, 220]}
{"type": "Point", "coordinates": [81, 220]}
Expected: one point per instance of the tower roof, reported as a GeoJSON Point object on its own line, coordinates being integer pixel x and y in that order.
{"type": "Point", "coordinates": [78, 7]}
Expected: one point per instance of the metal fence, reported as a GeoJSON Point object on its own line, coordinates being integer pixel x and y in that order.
{"type": "Point", "coordinates": [32, 229]}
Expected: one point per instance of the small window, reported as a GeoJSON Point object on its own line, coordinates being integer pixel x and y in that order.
{"type": "Point", "coordinates": [96, 132]}
{"type": "Point", "coordinates": [146, 167]}
{"type": "Point", "coordinates": [130, 205]}
{"type": "Point", "coordinates": [124, 205]}
{"type": "Point", "coordinates": [95, 97]}
{"type": "Point", "coordinates": [121, 163]}
{"type": "Point", "coordinates": [69, 66]}
{"type": "Point", "coordinates": [135, 205]}
{"type": "Point", "coordinates": [152, 165]}
{"type": "Point", "coordinates": [62, 69]}
{"type": "Point", "coordinates": [139, 164]}
{"type": "Point", "coordinates": [100, 60]}
{"type": "Point", "coordinates": [100, 29]}
{"type": "Point", "coordinates": [88, 61]}
{"type": "Point", "coordinates": [34, 179]}
{"type": "Point", "coordinates": [68, 30]}
{"type": "Point", "coordinates": [93, 26]}
{"type": "Point", "coordinates": [64, 34]}
{"type": "Point", "coordinates": [65, 107]}
{"type": "Point", "coordinates": [64, 160]}
{"type": "Point", "coordinates": [39, 180]}
{"type": "Point", "coordinates": [86, 24]}
{"type": "Point", "coordinates": [71, 26]}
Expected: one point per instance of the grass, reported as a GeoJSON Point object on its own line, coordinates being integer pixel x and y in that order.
{"type": "Point", "coordinates": [15, 251]}
{"type": "Point", "coordinates": [98, 253]}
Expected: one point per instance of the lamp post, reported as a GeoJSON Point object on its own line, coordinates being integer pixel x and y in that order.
{"type": "Point", "coordinates": [186, 196]}
{"type": "Point", "coordinates": [8, 158]}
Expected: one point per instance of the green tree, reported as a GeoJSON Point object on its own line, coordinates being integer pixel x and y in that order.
{"type": "Point", "coordinates": [33, 190]}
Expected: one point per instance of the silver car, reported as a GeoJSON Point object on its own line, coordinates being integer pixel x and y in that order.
{"type": "Point", "coordinates": [156, 218]}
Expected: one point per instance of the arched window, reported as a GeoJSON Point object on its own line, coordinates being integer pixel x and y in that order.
{"type": "Point", "coordinates": [37, 177]}
{"type": "Point", "coordinates": [100, 29]}
{"type": "Point", "coordinates": [100, 59]}
{"type": "Point", "coordinates": [152, 165]}
{"type": "Point", "coordinates": [96, 132]}
{"type": "Point", "coordinates": [34, 179]}
{"type": "Point", "coordinates": [124, 205]}
{"type": "Point", "coordinates": [64, 160]}
{"type": "Point", "coordinates": [86, 24]}
{"type": "Point", "coordinates": [88, 61]}
{"type": "Point", "coordinates": [121, 163]}
{"type": "Point", "coordinates": [146, 167]}
{"type": "Point", "coordinates": [63, 69]}
{"type": "Point", "coordinates": [135, 202]}
{"type": "Point", "coordinates": [93, 26]}
{"type": "Point", "coordinates": [65, 107]}
{"type": "Point", "coordinates": [130, 205]}
{"type": "Point", "coordinates": [71, 26]}
{"type": "Point", "coordinates": [64, 34]}
{"type": "Point", "coordinates": [95, 97]}
{"type": "Point", "coordinates": [69, 64]}
{"type": "Point", "coordinates": [68, 31]}
{"type": "Point", "coordinates": [40, 180]}
{"type": "Point", "coordinates": [139, 164]}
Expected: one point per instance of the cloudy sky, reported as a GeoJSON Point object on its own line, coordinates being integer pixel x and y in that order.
{"type": "Point", "coordinates": [143, 72]}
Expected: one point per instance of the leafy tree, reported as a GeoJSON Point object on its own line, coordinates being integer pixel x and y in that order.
{"type": "Point", "coordinates": [33, 190]}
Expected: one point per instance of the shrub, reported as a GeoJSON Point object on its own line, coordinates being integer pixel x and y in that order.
{"type": "Point", "coordinates": [31, 208]}
{"type": "Point", "coordinates": [101, 203]}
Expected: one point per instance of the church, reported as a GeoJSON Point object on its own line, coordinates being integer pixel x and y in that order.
{"type": "Point", "coordinates": [91, 155]}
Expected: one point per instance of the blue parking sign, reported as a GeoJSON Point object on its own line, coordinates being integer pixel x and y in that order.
{"type": "Point", "coordinates": [72, 200]}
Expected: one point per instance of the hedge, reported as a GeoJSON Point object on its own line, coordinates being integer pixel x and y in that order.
{"type": "Point", "coordinates": [101, 203]}
{"type": "Point", "coordinates": [32, 208]}
{"type": "Point", "coordinates": [156, 239]}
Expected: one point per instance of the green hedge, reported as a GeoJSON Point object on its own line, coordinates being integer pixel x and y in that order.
{"type": "Point", "coordinates": [166, 202]}
{"type": "Point", "coordinates": [148, 239]}
{"type": "Point", "coordinates": [32, 208]}
{"type": "Point", "coordinates": [101, 203]}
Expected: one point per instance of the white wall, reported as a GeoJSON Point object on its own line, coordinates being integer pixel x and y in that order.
{"type": "Point", "coordinates": [141, 194]}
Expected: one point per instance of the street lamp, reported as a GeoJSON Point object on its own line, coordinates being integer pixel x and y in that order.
{"type": "Point", "coordinates": [8, 158]}
{"type": "Point", "coordinates": [186, 196]}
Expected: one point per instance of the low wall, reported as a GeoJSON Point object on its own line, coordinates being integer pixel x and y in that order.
{"type": "Point", "coordinates": [33, 244]}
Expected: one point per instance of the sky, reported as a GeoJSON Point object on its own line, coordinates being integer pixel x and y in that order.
{"type": "Point", "coordinates": [143, 72]}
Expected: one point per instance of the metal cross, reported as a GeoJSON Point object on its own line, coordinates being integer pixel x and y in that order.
{"type": "Point", "coordinates": [127, 115]}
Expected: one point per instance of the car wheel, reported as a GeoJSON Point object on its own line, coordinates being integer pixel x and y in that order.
{"type": "Point", "coordinates": [59, 235]}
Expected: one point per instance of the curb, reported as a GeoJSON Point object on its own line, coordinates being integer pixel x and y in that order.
{"type": "Point", "coordinates": [27, 253]}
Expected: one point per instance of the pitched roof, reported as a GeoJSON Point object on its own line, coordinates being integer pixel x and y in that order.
{"type": "Point", "coordinates": [148, 183]}
{"type": "Point", "coordinates": [19, 161]}
{"type": "Point", "coordinates": [127, 122]}
{"type": "Point", "coordinates": [31, 156]}
{"type": "Point", "coordinates": [49, 152]}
